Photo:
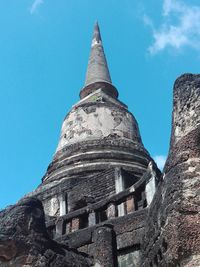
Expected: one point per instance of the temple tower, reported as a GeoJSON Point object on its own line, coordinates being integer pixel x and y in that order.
{"type": "Point", "coordinates": [99, 132]}
{"type": "Point", "coordinates": [104, 195]}
{"type": "Point", "coordinates": [100, 173]}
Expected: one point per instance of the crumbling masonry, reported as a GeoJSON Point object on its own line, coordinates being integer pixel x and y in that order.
{"type": "Point", "coordinates": [105, 201]}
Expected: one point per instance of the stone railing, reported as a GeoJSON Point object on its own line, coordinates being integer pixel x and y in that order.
{"type": "Point", "coordinates": [121, 204]}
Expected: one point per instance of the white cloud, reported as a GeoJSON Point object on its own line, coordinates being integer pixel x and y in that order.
{"type": "Point", "coordinates": [172, 6]}
{"type": "Point", "coordinates": [148, 21]}
{"type": "Point", "coordinates": [179, 27]}
{"type": "Point", "coordinates": [36, 5]}
{"type": "Point", "coordinates": [160, 161]}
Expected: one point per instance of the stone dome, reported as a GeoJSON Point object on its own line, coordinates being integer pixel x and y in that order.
{"type": "Point", "coordinates": [99, 132]}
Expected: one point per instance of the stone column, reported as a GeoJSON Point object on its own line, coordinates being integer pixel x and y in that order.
{"type": "Point", "coordinates": [119, 187]}
{"type": "Point", "coordinates": [104, 249]}
{"type": "Point", "coordinates": [111, 211]}
{"type": "Point", "coordinates": [63, 204]}
{"type": "Point", "coordinates": [92, 219]}
{"type": "Point", "coordinates": [150, 190]}
{"type": "Point", "coordinates": [59, 227]}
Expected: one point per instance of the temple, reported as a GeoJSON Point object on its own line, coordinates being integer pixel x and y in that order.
{"type": "Point", "coordinates": [101, 172]}
{"type": "Point", "coordinates": [104, 196]}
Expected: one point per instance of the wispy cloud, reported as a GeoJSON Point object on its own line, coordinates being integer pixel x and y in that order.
{"type": "Point", "coordinates": [179, 27]}
{"type": "Point", "coordinates": [36, 4]}
{"type": "Point", "coordinates": [160, 161]}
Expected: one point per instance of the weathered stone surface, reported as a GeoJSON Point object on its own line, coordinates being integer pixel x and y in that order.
{"type": "Point", "coordinates": [104, 248]}
{"type": "Point", "coordinates": [97, 121]}
{"type": "Point", "coordinates": [24, 240]}
{"type": "Point", "coordinates": [96, 136]}
{"type": "Point", "coordinates": [172, 233]}
{"type": "Point", "coordinates": [129, 258]}
{"type": "Point", "coordinates": [104, 195]}
{"type": "Point", "coordinates": [97, 67]}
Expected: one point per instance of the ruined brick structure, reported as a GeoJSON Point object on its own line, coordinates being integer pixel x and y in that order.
{"type": "Point", "coordinates": [105, 201]}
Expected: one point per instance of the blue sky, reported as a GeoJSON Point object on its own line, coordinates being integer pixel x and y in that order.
{"type": "Point", "coordinates": [44, 49]}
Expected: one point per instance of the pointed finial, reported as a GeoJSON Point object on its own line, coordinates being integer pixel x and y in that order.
{"type": "Point", "coordinates": [96, 35]}
{"type": "Point", "coordinates": [97, 67]}
{"type": "Point", "coordinates": [98, 75]}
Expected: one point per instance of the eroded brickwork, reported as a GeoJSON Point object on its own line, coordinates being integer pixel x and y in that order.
{"type": "Point", "coordinates": [106, 204]}
{"type": "Point", "coordinates": [172, 235]}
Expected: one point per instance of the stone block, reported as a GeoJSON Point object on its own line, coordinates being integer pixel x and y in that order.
{"type": "Point", "coordinates": [111, 211]}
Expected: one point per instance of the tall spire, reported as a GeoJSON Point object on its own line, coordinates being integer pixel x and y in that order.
{"type": "Point", "coordinates": [98, 75]}
{"type": "Point", "coordinates": [97, 67]}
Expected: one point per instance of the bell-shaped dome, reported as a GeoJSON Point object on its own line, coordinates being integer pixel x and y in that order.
{"type": "Point", "coordinates": [99, 132]}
